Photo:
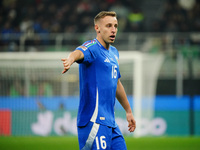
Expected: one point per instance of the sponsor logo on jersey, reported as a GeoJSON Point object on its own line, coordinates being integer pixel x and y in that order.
{"type": "Point", "coordinates": [107, 60]}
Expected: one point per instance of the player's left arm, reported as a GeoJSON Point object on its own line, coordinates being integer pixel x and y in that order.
{"type": "Point", "coordinates": [122, 98]}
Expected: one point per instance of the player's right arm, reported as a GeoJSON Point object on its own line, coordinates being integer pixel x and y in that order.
{"type": "Point", "coordinates": [74, 56]}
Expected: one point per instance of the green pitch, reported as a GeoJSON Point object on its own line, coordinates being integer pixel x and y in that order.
{"type": "Point", "coordinates": [71, 143]}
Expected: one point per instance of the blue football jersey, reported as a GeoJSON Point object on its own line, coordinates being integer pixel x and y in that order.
{"type": "Point", "coordinates": [98, 75]}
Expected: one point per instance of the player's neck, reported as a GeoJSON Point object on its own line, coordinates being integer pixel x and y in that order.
{"type": "Point", "coordinates": [103, 43]}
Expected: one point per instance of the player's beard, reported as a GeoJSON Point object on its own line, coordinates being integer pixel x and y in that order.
{"type": "Point", "coordinates": [110, 40]}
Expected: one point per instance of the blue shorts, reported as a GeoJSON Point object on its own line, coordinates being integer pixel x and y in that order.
{"type": "Point", "coordinates": [94, 136]}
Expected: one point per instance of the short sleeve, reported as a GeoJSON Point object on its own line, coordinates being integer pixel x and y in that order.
{"type": "Point", "coordinates": [119, 75]}
{"type": "Point", "coordinates": [89, 55]}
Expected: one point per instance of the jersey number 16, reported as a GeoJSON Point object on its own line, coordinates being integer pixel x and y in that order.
{"type": "Point", "coordinates": [114, 71]}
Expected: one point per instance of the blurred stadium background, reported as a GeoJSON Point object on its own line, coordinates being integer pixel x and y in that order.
{"type": "Point", "coordinates": [161, 38]}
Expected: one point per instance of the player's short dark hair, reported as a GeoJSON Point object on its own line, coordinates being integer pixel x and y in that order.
{"type": "Point", "coordinates": [103, 14]}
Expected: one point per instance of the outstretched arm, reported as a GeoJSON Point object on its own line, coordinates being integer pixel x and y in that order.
{"type": "Point", "coordinates": [74, 56]}
{"type": "Point", "coordinates": [122, 98]}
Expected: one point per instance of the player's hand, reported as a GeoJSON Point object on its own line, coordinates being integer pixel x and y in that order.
{"type": "Point", "coordinates": [131, 122]}
{"type": "Point", "coordinates": [67, 64]}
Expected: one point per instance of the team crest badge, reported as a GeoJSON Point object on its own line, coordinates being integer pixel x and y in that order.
{"type": "Point", "coordinates": [117, 59]}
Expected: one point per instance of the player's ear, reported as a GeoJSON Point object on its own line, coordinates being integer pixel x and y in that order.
{"type": "Point", "coordinates": [96, 27]}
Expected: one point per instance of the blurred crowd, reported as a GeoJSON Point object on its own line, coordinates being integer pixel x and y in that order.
{"type": "Point", "coordinates": [65, 16]}
{"type": "Point", "coordinates": [50, 16]}
{"type": "Point", "coordinates": [179, 17]}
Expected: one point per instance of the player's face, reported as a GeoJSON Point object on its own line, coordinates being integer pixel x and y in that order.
{"type": "Point", "coordinates": [108, 29]}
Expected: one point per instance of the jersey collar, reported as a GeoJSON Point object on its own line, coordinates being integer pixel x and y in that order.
{"type": "Point", "coordinates": [101, 44]}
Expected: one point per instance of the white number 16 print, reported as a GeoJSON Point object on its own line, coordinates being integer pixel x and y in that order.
{"type": "Point", "coordinates": [102, 142]}
{"type": "Point", "coordinates": [114, 71]}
